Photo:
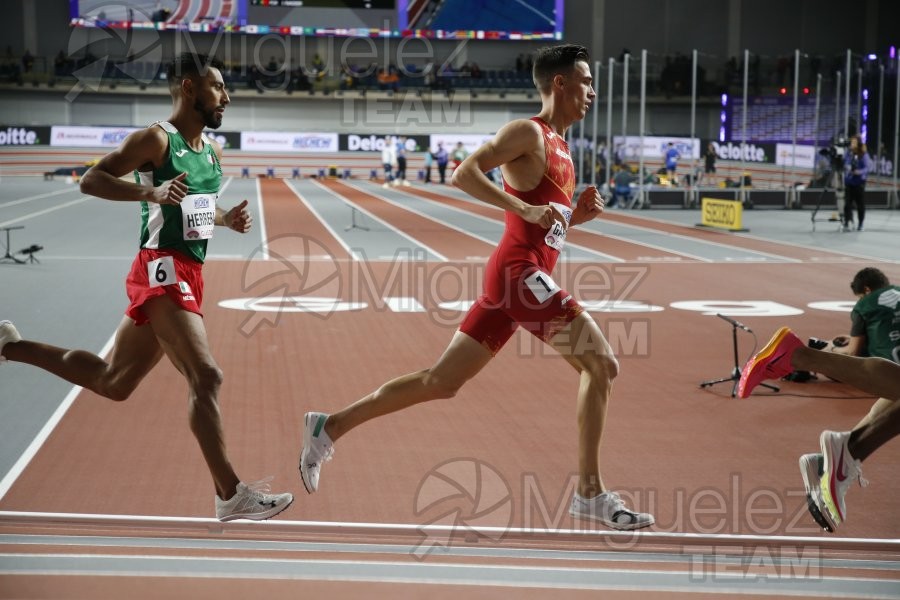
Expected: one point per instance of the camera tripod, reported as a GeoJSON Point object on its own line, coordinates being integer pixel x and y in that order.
{"type": "Point", "coordinates": [9, 256]}
{"type": "Point", "coordinates": [832, 183]}
{"type": "Point", "coordinates": [736, 372]}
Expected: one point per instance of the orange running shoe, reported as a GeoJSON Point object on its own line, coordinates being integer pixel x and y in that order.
{"type": "Point", "coordinates": [772, 362]}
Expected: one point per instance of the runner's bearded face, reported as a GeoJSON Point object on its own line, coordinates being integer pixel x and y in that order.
{"type": "Point", "coordinates": [211, 98]}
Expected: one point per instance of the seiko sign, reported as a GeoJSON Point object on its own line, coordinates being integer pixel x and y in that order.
{"type": "Point", "coordinates": [746, 152]}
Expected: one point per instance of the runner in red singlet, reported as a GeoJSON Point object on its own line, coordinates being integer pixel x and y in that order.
{"type": "Point", "coordinates": [539, 181]}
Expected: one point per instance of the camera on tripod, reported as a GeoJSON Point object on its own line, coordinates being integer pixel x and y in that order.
{"type": "Point", "coordinates": [836, 152]}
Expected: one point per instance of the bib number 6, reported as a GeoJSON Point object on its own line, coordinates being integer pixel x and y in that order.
{"type": "Point", "coordinates": [161, 271]}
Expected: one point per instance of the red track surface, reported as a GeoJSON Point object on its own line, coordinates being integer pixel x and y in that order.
{"type": "Point", "coordinates": [701, 461]}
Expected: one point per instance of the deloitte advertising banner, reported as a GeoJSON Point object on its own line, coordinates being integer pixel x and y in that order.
{"type": "Point", "coordinates": [351, 142]}
{"type": "Point", "coordinates": [280, 141]}
{"type": "Point", "coordinates": [655, 147]}
{"type": "Point", "coordinates": [24, 135]}
{"type": "Point", "coordinates": [752, 152]}
{"type": "Point", "coordinates": [88, 137]}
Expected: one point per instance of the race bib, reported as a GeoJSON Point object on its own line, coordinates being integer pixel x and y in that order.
{"type": "Point", "coordinates": [556, 236]}
{"type": "Point", "coordinates": [161, 271]}
{"type": "Point", "coordinates": [198, 216]}
{"type": "Point", "coordinates": [542, 286]}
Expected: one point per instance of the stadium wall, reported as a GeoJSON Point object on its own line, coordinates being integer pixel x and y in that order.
{"type": "Point", "coordinates": [376, 113]}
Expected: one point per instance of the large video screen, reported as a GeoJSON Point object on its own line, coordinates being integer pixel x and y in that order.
{"type": "Point", "coordinates": [432, 19]}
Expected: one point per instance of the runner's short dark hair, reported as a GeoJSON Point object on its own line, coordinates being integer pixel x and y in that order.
{"type": "Point", "coordinates": [555, 60]}
{"type": "Point", "coordinates": [871, 278]}
{"type": "Point", "coordinates": [188, 64]}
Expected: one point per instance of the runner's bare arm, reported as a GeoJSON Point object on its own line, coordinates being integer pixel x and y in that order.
{"type": "Point", "coordinates": [514, 141]}
{"type": "Point", "coordinates": [142, 150]}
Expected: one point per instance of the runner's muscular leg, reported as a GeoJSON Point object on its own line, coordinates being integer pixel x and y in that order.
{"type": "Point", "coordinates": [583, 346]}
{"type": "Point", "coordinates": [876, 376]}
{"type": "Point", "coordinates": [134, 353]}
{"type": "Point", "coordinates": [182, 335]}
{"type": "Point", "coordinates": [461, 361]}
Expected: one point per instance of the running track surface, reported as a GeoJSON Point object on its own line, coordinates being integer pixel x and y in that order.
{"type": "Point", "coordinates": [465, 496]}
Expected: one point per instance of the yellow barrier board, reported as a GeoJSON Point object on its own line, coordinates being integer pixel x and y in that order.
{"type": "Point", "coordinates": [721, 214]}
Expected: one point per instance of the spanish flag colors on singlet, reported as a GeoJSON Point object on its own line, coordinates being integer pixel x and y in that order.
{"type": "Point", "coordinates": [188, 227]}
{"type": "Point", "coordinates": [529, 243]}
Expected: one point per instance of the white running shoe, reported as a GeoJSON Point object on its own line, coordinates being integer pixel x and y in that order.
{"type": "Point", "coordinates": [609, 509]}
{"type": "Point", "coordinates": [840, 470]}
{"type": "Point", "coordinates": [317, 449]}
{"type": "Point", "coordinates": [811, 469]}
{"type": "Point", "coordinates": [252, 502]}
{"type": "Point", "coordinates": [8, 335]}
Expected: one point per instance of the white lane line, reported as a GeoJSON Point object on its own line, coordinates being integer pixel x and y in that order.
{"type": "Point", "coordinates": [607, 257]}
{"type": "Point", "coordinates": [225, 187]}
{"type": "Point", "coordinates": [262, 221]}
{"type": "Point", "coordinates": [412, 240]}
{"type": "Point", "coordinates": [38, 197]}
{"type": "Point", "coordinates": [444, 573]}
{"type": "Point", "coordinates": [602, 234]}
{"type": "Point", "coordinates": [688, 238]}
{"type": "Point", "coordinates": [47, 429]}
{"type": "Point", "coordinates": [651, 230]}
{"type": "Point", "coordinates": [417, 530]}
{"type": "Point", "coordinates": [492, 243]}
{"type": "Point", "coordinates": [44, 212]}
{"type": "Point", "coordinates": [324, 223]}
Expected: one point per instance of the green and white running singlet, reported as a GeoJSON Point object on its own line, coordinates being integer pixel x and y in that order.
{"type": "Point", "coordinates": [877, 316]}
{"type": "Point", "coordinates": [188, 227]}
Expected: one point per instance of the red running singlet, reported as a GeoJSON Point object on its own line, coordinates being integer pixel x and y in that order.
{"type": "Point", "coordinates": [518, 289]}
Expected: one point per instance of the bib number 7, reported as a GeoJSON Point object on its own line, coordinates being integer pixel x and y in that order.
{"type": "Point", "coordinates": [161, 271]}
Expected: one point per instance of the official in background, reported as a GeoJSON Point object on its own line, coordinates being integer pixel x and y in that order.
{"type": "Point", "coordinates": [856, 169]}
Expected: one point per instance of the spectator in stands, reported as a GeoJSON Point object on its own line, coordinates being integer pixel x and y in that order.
{"type": "Point", "coordinates": [709, 159]}
{"type": "Point", "coordinates": [300, 80]}
{"type": "Point", "coordinates": [60, 64]}
{"type": "Point", "coordinates": [601, 162]}
{"type": "Point", "coordinates": [441, 157]}
{"type": "Point", "coordinates": [430, 78]}
{"type": "Point", "coordinates": [388, 79]}
{"type": "Point", "coordinates": [318, 66]}
{"type": "Point", "coordinates": [856, 170]}
{"type": "Point", "coordinates": [27, 62]}
{"type": "Point", "coordinates": [348, 76]}
{"type": "Point", "coordinates": [622, 181]}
